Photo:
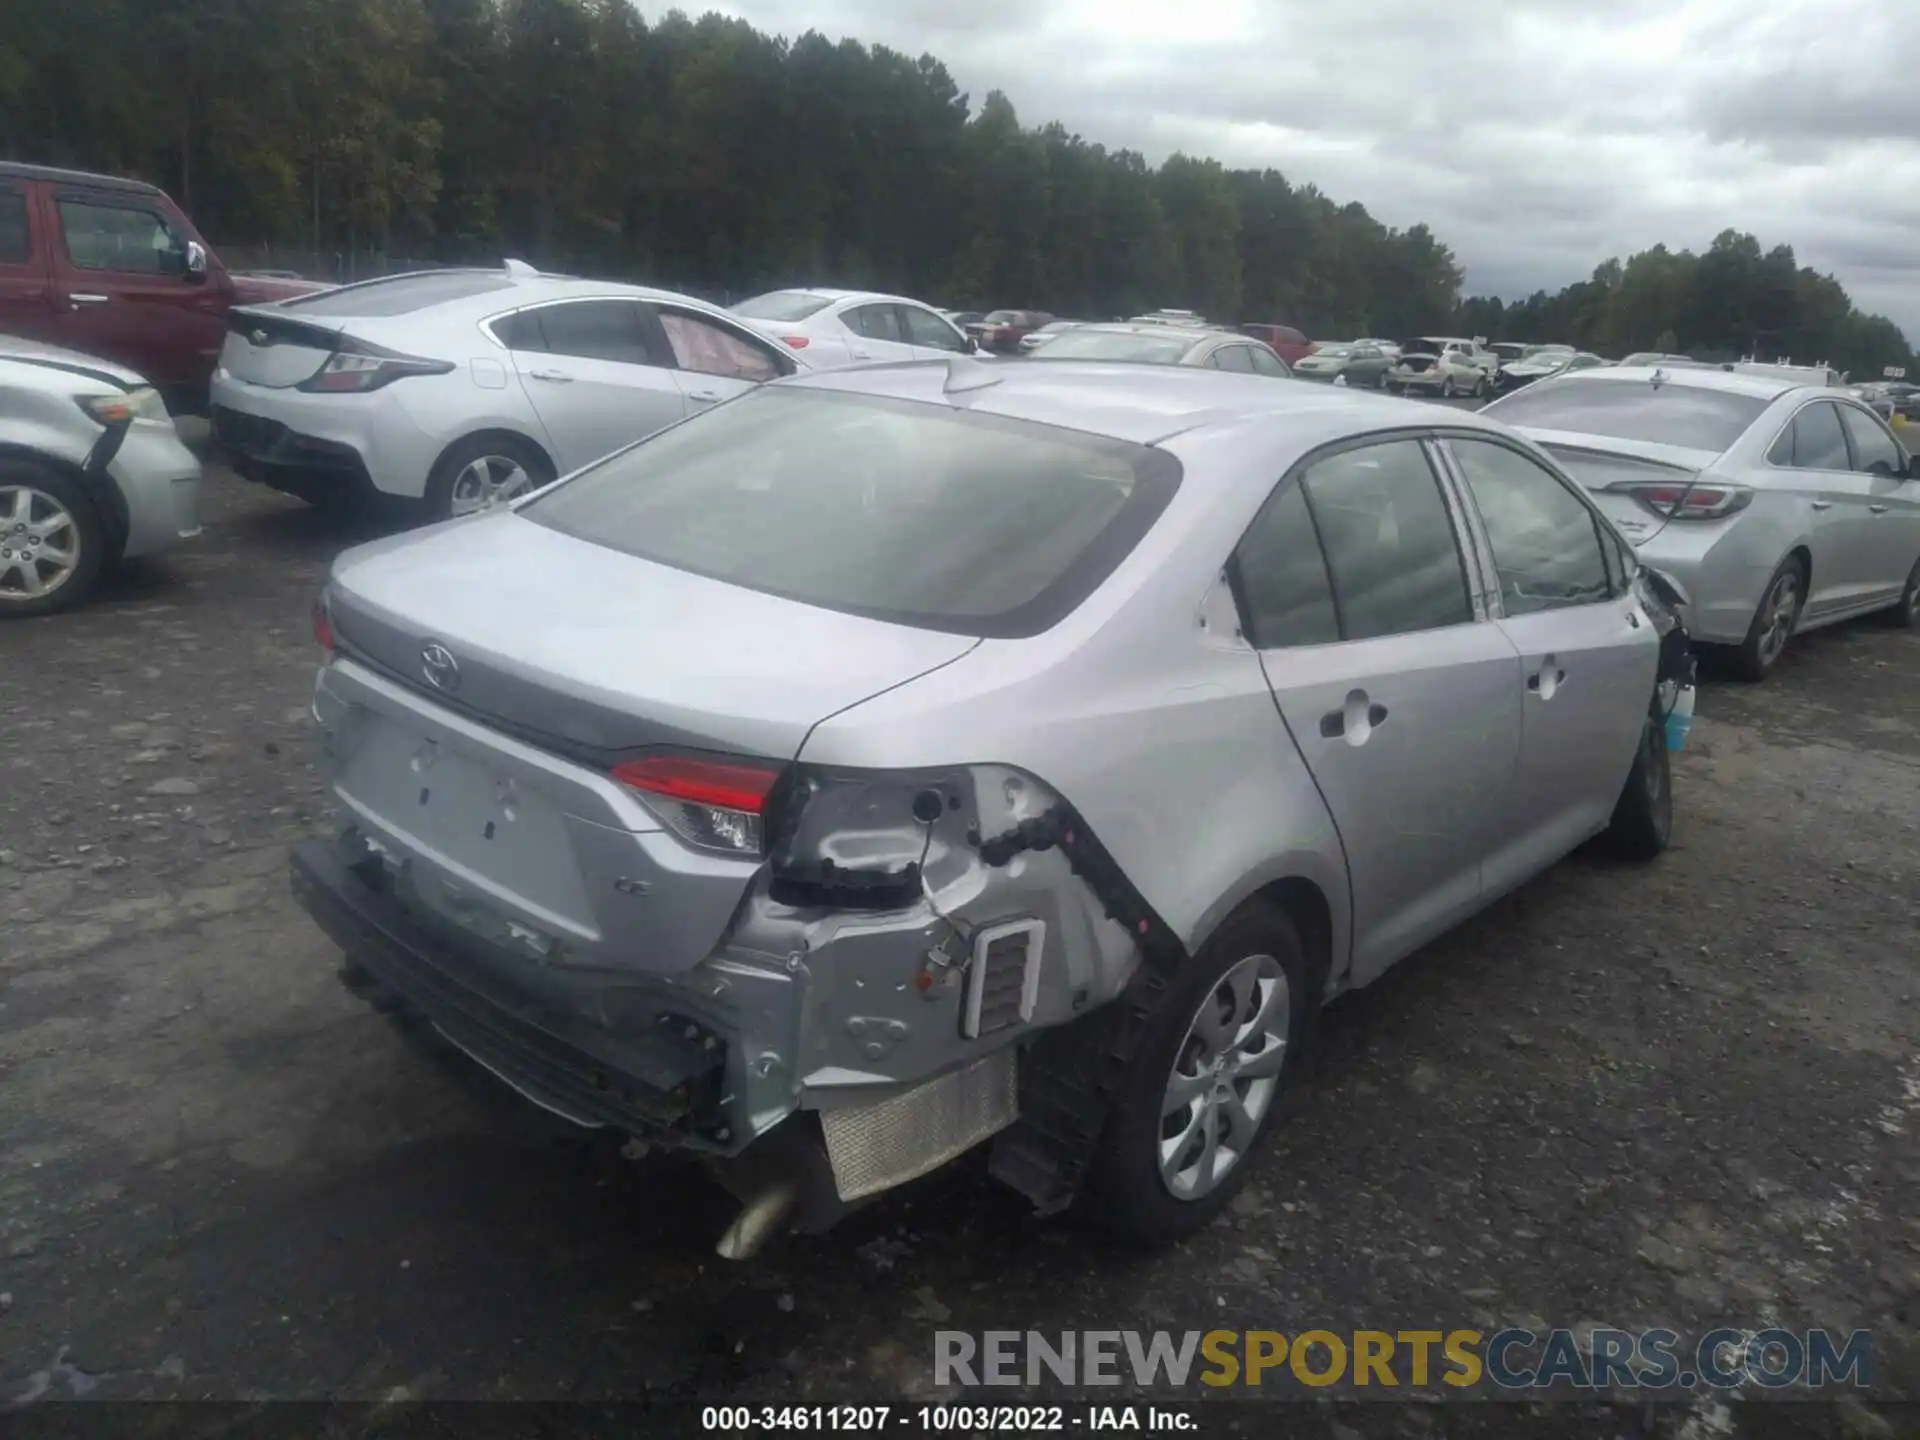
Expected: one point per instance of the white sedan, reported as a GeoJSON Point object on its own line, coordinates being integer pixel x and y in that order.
{"type": "Point", "coordinates": [854, 327]}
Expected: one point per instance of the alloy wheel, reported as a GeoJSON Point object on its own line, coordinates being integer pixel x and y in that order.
{"type": "Point", "coordinates": [487, 481]}
{"type": "Point", "coordinates": [39, 543]}
{"type": "Point", "coordinates": [1781, 606]}
{"type": "Point", "coordinates": [1225, 1076]}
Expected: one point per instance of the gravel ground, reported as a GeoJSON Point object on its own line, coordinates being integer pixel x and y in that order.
{"type": "Point", "coordinates": [1684, 1095]}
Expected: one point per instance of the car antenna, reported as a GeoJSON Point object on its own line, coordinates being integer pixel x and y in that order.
{"type": "Point", "coordinates": [518, 269]}
{"type": "Point", "coordinates": [964, 373]}
{"type": "Point", "coordinates": [1658, 378]}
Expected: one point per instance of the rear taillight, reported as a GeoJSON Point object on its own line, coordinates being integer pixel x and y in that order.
{"type": "Point", "coordinates": [358, 367]}
{"type": "Point", "coordinates": [712, 804]}
{"type": "Point", "coordinates": [1688, 502]}
{"type": "Point", "coordinates": [798, 342]}
{"type": "Point", "coordinates": [323, 626]}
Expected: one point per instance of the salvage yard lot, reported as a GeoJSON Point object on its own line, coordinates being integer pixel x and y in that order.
{"type": "Point", "coordinates": [1685, 1095]}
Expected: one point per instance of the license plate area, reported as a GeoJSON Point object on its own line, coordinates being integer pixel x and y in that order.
{"type": "Point", "coordinates": [485, 830]}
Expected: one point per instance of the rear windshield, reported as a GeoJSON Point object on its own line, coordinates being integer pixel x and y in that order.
{"type": "Point", "coordinates": [1118, 345]}
{"type": "Point", "coordinates": [913, 513]}
{"type": "Point", "coordinates": [1003, 317]}
{"type": "Point", "coordinates": [400, 295]}
{"type": "Point", "coordinates": [1671, 414]}
{"type": "Point", "coordinates": [782, 305]}
{"type": "Point", "coordinates": [1337, 352]}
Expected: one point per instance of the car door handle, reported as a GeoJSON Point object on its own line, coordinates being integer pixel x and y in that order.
{"type": "Point", "coordinates": [862, 355]}
{"type": "Point", "coordinates": [555, 377]}
{"type": "Point", "coordinates": [703, 397]}
{"type": "Point", "coordinates": [80, 299]}
{"type": "Point", "coordinates": [1822, 504]}
{"type": "Point", "coordinates": [1547, 680]}
{"type": "Point", "coordinates": [1333, 724]}
{"type": "Point", "coordinates": [1878, 509]}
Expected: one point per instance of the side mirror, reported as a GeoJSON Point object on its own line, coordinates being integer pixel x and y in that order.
{"type": "Point", "coordinates": [196, 260]}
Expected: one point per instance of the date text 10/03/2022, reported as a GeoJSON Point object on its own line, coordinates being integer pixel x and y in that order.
{"type": "Point", "coordinates": [941, 1419]}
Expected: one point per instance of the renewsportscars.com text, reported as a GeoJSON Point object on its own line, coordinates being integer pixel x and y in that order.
{"type": "Point", "coordinates": [1512, 1359]}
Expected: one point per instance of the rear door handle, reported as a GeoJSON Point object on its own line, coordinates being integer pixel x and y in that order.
{"type": "Point", "coordinates": [556, 377]}
{"type": "Point", "coordinates": [862, 355]}
{"type": "Point", "coordinates": [80, 299]}
{"type": "Point", "coordinates": [703, 397]}
{"type": "Point", "coordinates": [1878, 509]}
{"type": "Point", "coordinates": [1823, 504]}
{"type": "Point", "coordinates": [1548, 679]}
{"type": "Point", "coordinates": [1366, 716]}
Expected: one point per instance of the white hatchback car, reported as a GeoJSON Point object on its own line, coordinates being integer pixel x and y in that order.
{"type": "Point", "coordinates": [852, 327]}
{"type": "Point", "coordinates": [467, 388]}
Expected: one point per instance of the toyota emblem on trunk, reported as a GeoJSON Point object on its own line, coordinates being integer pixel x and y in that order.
{"type": "Point", "coordinates": [439, 666]}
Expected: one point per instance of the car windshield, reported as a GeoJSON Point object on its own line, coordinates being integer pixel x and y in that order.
{"type": "Point", "coordinates": [1690, 416]}
{"type": "Point", "coordinates": [400, 294]}
{"type": "Point", "coordinates": [917, 514]}
{"type": "Point", "coordinates": [1547, 352]}
{"type": "Point", "coordinates": [1337, 352]}
{"type": "Point", "coordinates": [782, 305]}
{"type": "Point", "coordinates": [1422, 346]}
{"type": "Point", "coordinates": [1119, 345]}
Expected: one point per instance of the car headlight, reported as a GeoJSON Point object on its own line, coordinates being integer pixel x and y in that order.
{"type": "Point", "coordinates": [142, 404]}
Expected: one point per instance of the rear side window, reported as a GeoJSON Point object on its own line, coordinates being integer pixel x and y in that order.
{"type": "Point", "coordinates": [1237, 358]}
{"type": "Point", "coordinates": [876, 322]}
{"type": "Point", "coordinates": [1874, 450]}
{"type": "Point", "coordinates": [1814, 441]}
{"type": "Point", "coordinates": [595, 330]}
{"type": "Point", "coordinates": [1265, 362]}
{"type": "Point", "coordinates": [133, 238]}
{"type": "Point", "coordinates": [702, 346]}
{"type": "Point", "coordinates": [913, 513]}
{"type": "Point", "coordinates": [1282, 577]}
{"type": "Point", "coordinates": [400, 294]}
{"type": "Point", "coordinates": [1389, 541]}
{"type": "Point", "coordinates": [1689, 416]}
{"type": "Point", "coordinates": [928, 329]}
{"type": "Point", "coordinates": [16, 240]}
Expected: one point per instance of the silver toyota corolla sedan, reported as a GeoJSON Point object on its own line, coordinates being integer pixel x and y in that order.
{"type": "Point", "coordinates": [920, 756]}
{"type": "Point", "coordinates": [1778, 506]}
{"type": "Point", "coordinates": [463, 389]}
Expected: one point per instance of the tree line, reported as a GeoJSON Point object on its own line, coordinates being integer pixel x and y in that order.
{"type": "Point", "coordinates": [704, 155]}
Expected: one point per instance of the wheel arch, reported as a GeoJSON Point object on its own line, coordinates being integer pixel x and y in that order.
{"type": "Point", "coordinates": [101, 490]}
{"type": "Point", "coordinates": [497, 432]}
{"type": "Point", "coordinates": [1312, 893]}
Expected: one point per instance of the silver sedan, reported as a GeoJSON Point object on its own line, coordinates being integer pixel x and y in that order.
{"type": "Point", "coordinates": [1778, 506]}
{"type": "Point", "coordinates": [1154, 342]}
{"type": "Point", "coordinates": [902, 759]}
{"type": "Point", "coordinates": [91, 472]}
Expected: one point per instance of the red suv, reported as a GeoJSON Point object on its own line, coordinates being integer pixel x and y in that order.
{"type": "Point", "coordinates": [1285, 341]}
{"type": "Point", "coordinates": [112, 268]}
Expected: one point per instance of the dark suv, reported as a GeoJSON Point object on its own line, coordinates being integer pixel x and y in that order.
{"type": "Point", "coordinates": [111, 267]}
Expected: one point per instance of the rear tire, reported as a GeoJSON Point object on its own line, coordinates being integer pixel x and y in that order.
{"type": "Point", "coordinates": [53, 542]}
{"type": "Point", "coordinates": [1642, 824]}
{"type": "Point", "coordinates": [1226, 1005]}
{"type": "Point", "coordinates": [483, 471]}
{"type": "Point", "coordinates": [1446, 387]}
{"type": "Point", "coordinates": [1906, 615]}
{"type": "Point", "coordinates": [1774, 621]}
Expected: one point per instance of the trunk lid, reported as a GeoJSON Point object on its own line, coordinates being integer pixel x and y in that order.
{"type": "Point", "coordinates": [585, 648]}
{"type": "Point", "coordinates": [272, 350]}
{"type": "Point", "coordinates": [1599, 461]}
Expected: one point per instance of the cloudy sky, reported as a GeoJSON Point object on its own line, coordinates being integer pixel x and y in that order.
{"type": "Point", "coordinates": [1536, 137]}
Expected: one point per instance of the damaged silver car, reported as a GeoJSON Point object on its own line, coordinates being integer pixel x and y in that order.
{"type": "Point", "coordinates": [899, 760]}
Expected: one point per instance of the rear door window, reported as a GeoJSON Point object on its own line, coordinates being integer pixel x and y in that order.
{"type": "Point", "coordinates": [1390, 544]}
{"type": "Point", "coordinates": [596, 330]}
{"type": "Point", "coordinates": [121, 235]}
{"type": "Point", "coordinates": [1237, 358]}
{"type": "Point", "coordinates": [16, 237]}
{"type": "Point", "coordinates": [877, 322]}
{"type": "Point", "coordinates": [918, 514]}
{"type": "Point", "coordinates": [1280, 575]}
{"type": "Point", "coordinates": [1874, 450]}
{"type": "Point", "coordinates": [1814, 441]}
{"type": "Point", "coordinates": [1265, 362]}
{"type": "Point", "coordinates": [927, 329]}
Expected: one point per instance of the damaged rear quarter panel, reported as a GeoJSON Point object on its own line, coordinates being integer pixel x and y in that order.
{"type": "Point", "coordinates": [1158, 729]}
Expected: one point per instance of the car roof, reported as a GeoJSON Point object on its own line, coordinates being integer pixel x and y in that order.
{"type": "Point", "coordinates": [1761, 387]}
{"type": "Point", "coordinates": [837, 296]}
{"type": "Point", "coordinates": [12, 170]}
{"type": "Point", "coordinates": [1144, 404]}
{"type": "Point", "coordinates": [519, 290]}
{"type": "Point", "coordinates": [1195, 333]}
